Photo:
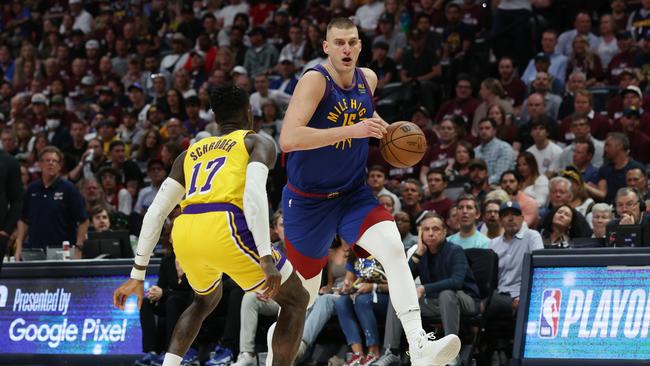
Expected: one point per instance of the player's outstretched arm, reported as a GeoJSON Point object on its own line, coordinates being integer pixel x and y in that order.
{"type": "Point", "coordinates": [256, 206]}
{"type": "Point", "coordinates": [295, 134]}
{"type": "Point", "coordinates": [169, 195]}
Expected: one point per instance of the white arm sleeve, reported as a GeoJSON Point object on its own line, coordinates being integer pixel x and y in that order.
{"type": "Point", "coordinates": [169, 195]}
{"type": "Point", "coordinates": [256, 206]}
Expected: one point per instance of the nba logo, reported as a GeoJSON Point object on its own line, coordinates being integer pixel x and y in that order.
{"type": "Point", "coordinates": [550, 314]}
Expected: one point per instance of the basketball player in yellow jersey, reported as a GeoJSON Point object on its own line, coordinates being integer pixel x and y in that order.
{"type": "Point", "coordinates": [224, 228]}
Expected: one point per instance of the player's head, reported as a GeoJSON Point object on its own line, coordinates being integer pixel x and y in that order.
{"type": "Point", "coordinates": [230, 105]}
{"type": "Point", "coordinates": [342, 44]}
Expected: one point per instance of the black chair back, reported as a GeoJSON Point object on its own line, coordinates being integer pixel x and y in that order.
{"type": "Point", "coordinates": [485, 266]}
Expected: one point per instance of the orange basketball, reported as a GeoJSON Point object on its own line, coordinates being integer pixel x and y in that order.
{"type": "Point", "coordinates": [403, 145]}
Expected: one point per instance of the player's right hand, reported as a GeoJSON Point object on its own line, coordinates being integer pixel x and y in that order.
{"type": "Point", "coordinates": [272, 276]}
{"type": "Point", "coordinates": [128, 288]}
{"type": "Point", "coordinates": [370, 127]}
{"type": "Point", "coordinates": [421, 247]}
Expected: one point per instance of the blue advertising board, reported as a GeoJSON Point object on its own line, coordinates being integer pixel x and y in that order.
{"type": "Point", "coordinates": [589, 313]}
{"type": "Point", "coordinates": [68, 316]}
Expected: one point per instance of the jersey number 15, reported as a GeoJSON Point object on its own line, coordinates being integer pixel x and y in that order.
{"type": "Point", "coordinates": [212, 167]}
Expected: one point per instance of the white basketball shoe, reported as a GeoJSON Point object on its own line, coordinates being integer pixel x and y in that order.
{"type": "Point", "coordinates": [430, 352]}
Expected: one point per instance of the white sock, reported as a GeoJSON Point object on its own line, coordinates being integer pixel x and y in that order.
{"type": "Point", "coordinates": [172, 360]}
{"type": "Point", "coordinates": [382, 241]}
{"type": "Point", "coordinates": [269, 340]}
{"type": "Point", "coordinates": [312, 286]}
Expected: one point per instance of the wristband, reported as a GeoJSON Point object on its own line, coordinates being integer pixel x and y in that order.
{"type": "Point", "coordinates": [416, 255]}
{"type": "Point", "coordinates": [137, 274]}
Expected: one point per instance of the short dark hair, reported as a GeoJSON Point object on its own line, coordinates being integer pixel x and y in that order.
{"type": "Point", "coordinates": [577, 116]}
{"type": "Point", "coordinates": [591, 149]}
{"type": "Point", "coordinates": [488, 119]}
{"type": "Point", "coordinates": [539, 122]}
{"type": "Point", "coordinates": [514, 173]}
{"type": "Point", "coordinates": [229, 104]}
{"type": "Point", "coordinates": [492, 201]}
{"type": "Point", "coordinates": [464, 77]}
{"type": "Point", "coordinates": [97, 209]}
{"type": "Point", "coordinates": [115, 144]}
{"type": "Point", "coordinates": [440, 172]}
{"type": "Point", "coordinates": [208, 15]}
{"type": "Point", "coordinates": [193, 101]}
{"type": "Point", "coordinates": [469, 197]}
{"type": "Point", "coordinates": [551, 31]}
{"type": "Point", "coordinates": [377, 168]}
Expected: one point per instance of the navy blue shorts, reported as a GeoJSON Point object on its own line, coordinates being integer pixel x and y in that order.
{"type": "Point", "coordinates": [311, 223]}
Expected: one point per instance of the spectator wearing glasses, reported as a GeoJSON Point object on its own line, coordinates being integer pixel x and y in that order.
{"type": "Point", "coordinates": [53, 209]}
{"type": "Point", "coordinates": [629, 211]}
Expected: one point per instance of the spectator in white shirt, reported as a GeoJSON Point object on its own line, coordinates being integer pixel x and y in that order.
{"type": "Point", "coordinates": [367, 16]}
{"type": "Point", "coordinates": [546, 152]}
{"type": "Point", "coordinates": [82, 19]}
{"type": "Point", "coordinates": [227, 15]}
{"type": "Point", "coordinates": [262, 86]}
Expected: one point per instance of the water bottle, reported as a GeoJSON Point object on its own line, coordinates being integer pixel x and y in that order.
{"type": "Point", "coordinates": [90, 156]}
{"type": "Point", "coordinates": [66, 250]}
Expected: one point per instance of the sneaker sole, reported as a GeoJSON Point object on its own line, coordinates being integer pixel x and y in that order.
{"type": "Point", "coordinates": [448, 352]}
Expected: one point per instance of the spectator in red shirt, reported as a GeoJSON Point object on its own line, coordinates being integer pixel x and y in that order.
{"type": "Point", "coordinates": [463, 104]}
{"type": "Point", "coordinates": [624, 59]}
{"type": "Point", "coordinates": [583, 104]}
{"type": "Point", "coordinates": [619, 13]}
{"type": "Point", "coordinates": [438, 201]}
{"type": "Point", "coordinates": [628, 77]}
{"type": "Point", "coordinates": [632, 99]}
{"type": "Point", "coordinates": [583, 59]}
{"type": "Point", "coordinates": [441, 154]}
{"type": "Point", "coordinates": [514, 89]}
{"type": "Point", "coordinates": [639, 141]}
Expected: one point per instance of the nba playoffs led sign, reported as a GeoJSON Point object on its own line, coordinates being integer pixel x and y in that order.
{"type": "Point", "coordinates": [67, 316]}
{"type": "Point", "coordinates": [589, 313]}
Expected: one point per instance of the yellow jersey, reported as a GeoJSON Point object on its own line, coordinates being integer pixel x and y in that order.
{"type": "Point", "coordinates": [215, 170]}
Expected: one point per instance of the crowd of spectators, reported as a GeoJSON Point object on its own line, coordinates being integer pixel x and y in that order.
{"type": "Point", "coordinates": [536, 112]}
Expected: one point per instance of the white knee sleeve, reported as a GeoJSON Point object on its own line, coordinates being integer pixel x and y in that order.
{"type": "Point", "coordinates": [384, 243]}
{"type": "Point", "coordinates": [312, 286]}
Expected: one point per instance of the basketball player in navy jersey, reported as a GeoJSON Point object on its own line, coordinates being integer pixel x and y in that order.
{"type": "Point", "coordinates": [325, 131]}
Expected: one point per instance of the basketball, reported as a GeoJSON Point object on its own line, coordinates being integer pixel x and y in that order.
{"type": "Point", "coordinates": [403, 145]}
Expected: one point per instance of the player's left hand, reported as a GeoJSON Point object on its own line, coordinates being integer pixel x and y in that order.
{"type": "Point", "coordinates": [272, 276]}
{"type": "Point", "coordinates": [128, 288]}
{"type": "Point", "coordinates": [380, 121]}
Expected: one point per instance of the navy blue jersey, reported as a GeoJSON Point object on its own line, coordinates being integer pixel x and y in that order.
{"type": "Point", "coordinates": [340, 166]}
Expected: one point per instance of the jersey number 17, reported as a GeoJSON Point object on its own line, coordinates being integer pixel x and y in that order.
{"type": "Point", "coordinates": [212, 167]}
